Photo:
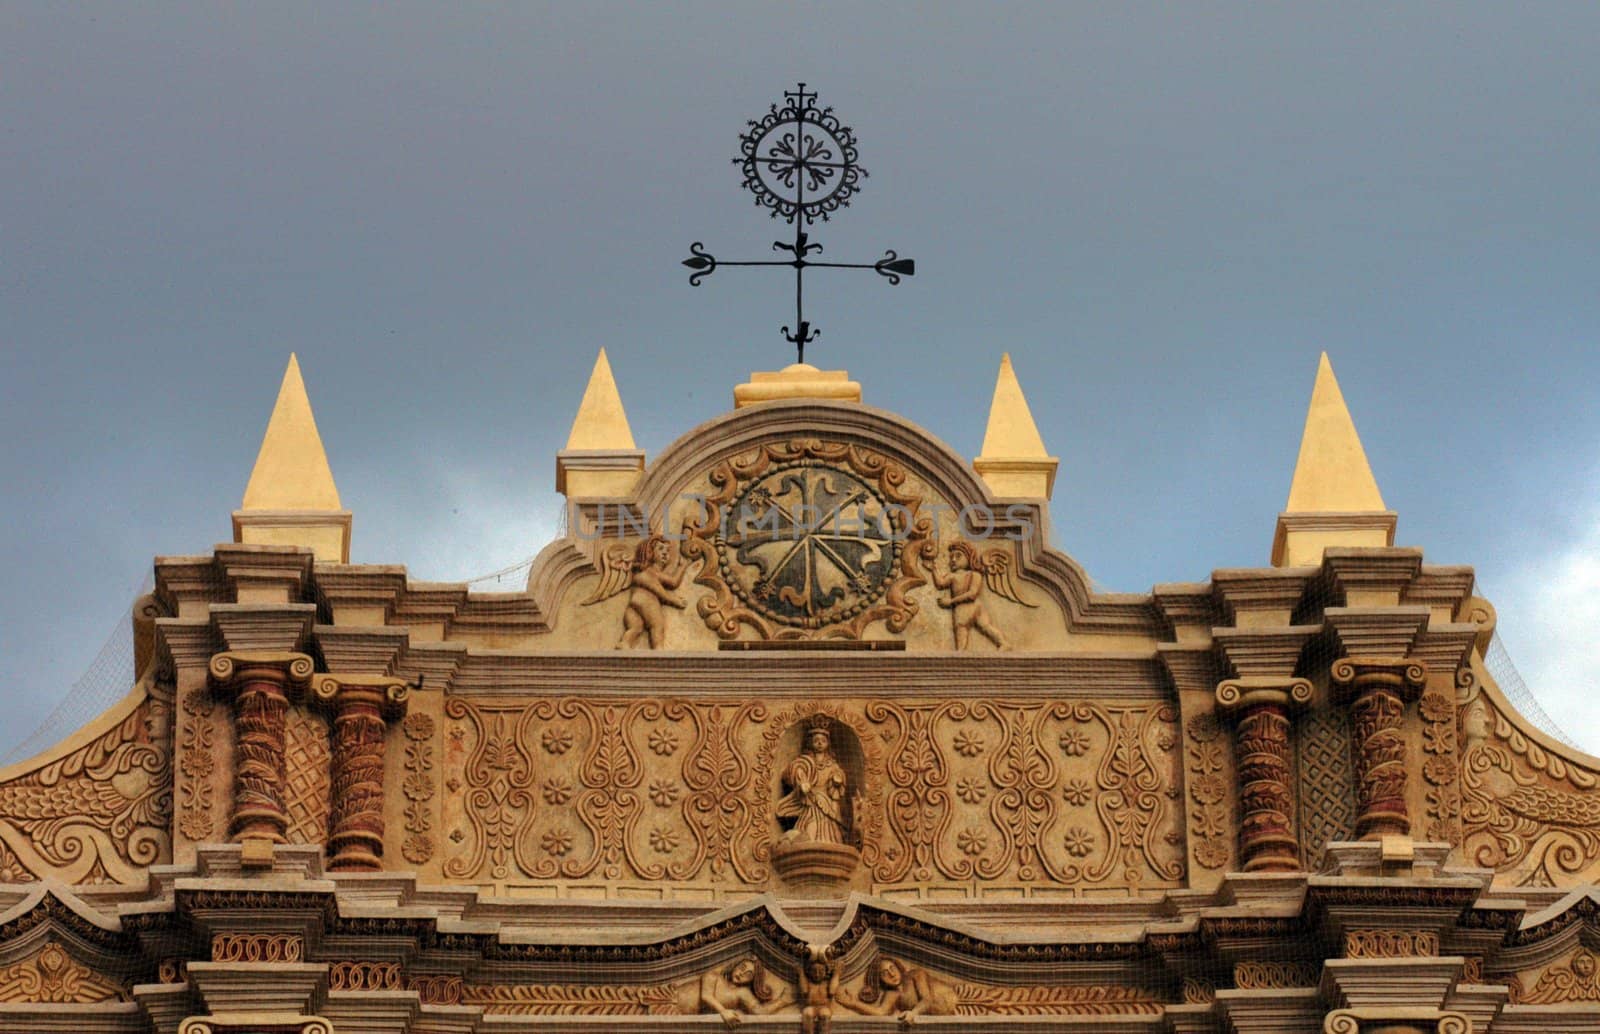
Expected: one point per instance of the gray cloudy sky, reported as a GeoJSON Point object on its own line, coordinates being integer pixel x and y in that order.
{"type": "Point", "coordinates": [1162, 211]}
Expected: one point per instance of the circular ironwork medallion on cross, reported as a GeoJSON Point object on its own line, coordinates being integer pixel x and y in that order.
{"type": "Point", "coordinates": [808, 545]}
{"type": "Point", "coordinates": [799, 160]}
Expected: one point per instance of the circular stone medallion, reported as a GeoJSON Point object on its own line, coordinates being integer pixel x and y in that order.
{"type": "Point", "coordinates": [808, 545]}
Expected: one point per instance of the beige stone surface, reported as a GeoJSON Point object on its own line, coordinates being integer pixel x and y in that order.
{"type": "Point", "coordinates": [717, 763]}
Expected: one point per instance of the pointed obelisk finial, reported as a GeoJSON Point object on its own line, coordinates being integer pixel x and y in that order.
{"type": "Point", "coordinates": [600, 458]}
{"type": "Point", "coordinates": [1014, 462]}
{"type": "Point", "coordinates": [1333, 499]}
{"type": "Point", "coordinates": [291, 499]}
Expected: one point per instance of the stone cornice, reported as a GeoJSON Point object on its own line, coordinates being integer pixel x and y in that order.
{"type": "Point", "coordinates": [1263, 595]}
{"type": "Point", "coordinates": [811, 673]}
{"type": "Point", "coordinates": [1376, 631]}
{"type": "Point", "coordinates": [356, 648]}
{"type": "Point", "coordinates": [1371, 575]}
{"type": "Point", "coordinates": [260, 572]}
{"type": "Point", "coordinates": [263, 626]}
{"type": "Point", "coordinates": [1264, 651]}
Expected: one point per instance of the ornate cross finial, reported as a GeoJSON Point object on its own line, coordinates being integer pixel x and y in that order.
{"type": "Point", "coordinates": [801, 164]}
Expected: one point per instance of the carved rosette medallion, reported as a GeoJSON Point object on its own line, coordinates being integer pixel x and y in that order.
{"type": "Point", "coordinates": [808, 539]}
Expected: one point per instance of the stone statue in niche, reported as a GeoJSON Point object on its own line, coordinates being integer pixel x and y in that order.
{"type": "Point", "coordinates": [818, 788]}
{"type": "Point", "coordinates": [892, 986]}
{"type": "Point", "coordinates": [817, 811]}
{"type": "Point", "coordinates": [652, 580]}
{"type": "Point", "coordinates": [740, 988]}
{"type": "Point", "coordinates": [969, 577]}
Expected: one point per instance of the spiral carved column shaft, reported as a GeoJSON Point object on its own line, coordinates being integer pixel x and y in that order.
{"type": "Point", "coordinates": [1259, 709]}
{"type": "Point", "coordinates": [260, 684]}
{"type": "Point", "coordinates": [1378, 689]}
{"type": "Point", "coordinates": [361, 710]}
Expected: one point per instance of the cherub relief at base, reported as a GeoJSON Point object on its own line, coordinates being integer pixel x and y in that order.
{"type": "Point", "coordinates": [971, 574]}
{"type": "Point", "coordinates": [652, 580]}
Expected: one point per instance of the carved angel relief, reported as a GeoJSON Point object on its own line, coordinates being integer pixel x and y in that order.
{"type": "Point", "coordinates": [652, 579]}
{"type": "Point", "coordinates": [970, 577]}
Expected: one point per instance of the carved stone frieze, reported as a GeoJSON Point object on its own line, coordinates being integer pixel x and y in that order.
{"type": "Point", "coordinates": [1526, 811]}
{"type": "Point", "coordinates": [99, 813]}
{"type": "Point", "coordinates": [54, 977]}
{"type": "Point", "coordinates": [257, 947]}
{"type": "Point", "coordinates": [1210, 827]}
{"type": "Point", "coordinates": [1389, 944]}
{"type": "Point", "coordinates": [1575, 979]}
{"type": "Point", "coordinates": [419, 787]}
{"type": "Point", "coordinates": [1070, 793]}
{"type": "Point", "coordinates": [1270, 974]}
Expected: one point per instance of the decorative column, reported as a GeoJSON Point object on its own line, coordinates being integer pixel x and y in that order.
{"type": "Point", "coordinates": [260, 684]}
{"type": "Point", "coordinates": [1378, 689]}
{"type": "Point", "coordinates": [361, 706]}
{"type": "Point", "coordinates": [1259, 708]}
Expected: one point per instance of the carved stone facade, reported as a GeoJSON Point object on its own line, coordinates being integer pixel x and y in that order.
{"type": "Point", "coordinates": [804, 730]}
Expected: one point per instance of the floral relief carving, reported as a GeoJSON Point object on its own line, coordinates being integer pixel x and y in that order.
{"type": "Point", "coordinates": [53, 977]}
{"type": "Point", "coordinates": [1525, 810]}
{"type": "Point", "coordinates": [100, 813]}
{"type": "Point", "coordinates": [418, 787]}
{"type": "Point", "coordinates": [1020, 811]}
{"type": "Point", "coordinates": [1209, 828]}
{"type": "Point", "coordinates": [197, 792]}
{"type": "Point", "coordinates": [1440, 767]}
{"type": "Point", "coordinates": [498, 774]}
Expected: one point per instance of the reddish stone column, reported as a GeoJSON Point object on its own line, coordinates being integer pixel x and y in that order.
{"type": "Point", "coordinates": [1378, 689]}
{"type": "Point", "coordinates": [1259, 709]}
{"type": "Point", "coordinates": [260, 684]}
{"type": "Point", "coordinates": [362, 707]}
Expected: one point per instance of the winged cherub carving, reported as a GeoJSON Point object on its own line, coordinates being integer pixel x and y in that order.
{"type": "Point", "coordinates": [970, 575]}
{"type": "Point", "coordinates": [652, 581]}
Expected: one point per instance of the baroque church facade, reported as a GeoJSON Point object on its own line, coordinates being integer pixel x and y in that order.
{"type": "Point", "coordinates": [804, 725]}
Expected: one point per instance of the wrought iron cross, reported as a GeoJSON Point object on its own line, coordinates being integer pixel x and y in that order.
{"type": "Point", "coordinates": [800, 163]}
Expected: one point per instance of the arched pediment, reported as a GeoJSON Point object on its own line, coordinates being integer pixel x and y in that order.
{"type": "Point", "coordinates": [752, 472]}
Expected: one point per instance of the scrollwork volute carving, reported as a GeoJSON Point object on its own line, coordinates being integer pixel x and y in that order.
{"type": "Point", "coordinates": [1526, 812]}
{"type": "Point", "coordinates": [99, 813]}
{"type": "Point", "coordinates": [1074, 794]}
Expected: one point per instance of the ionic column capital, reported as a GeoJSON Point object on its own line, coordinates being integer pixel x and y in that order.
{"type": "Point", "coordinates": [1402, 676]}
{"type": "Point", "coordinates": [235, 667]}
{"type": "Point", "coordinates": [386, 692]}
{"type": "Point", "coordinates": [1235, 696]}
